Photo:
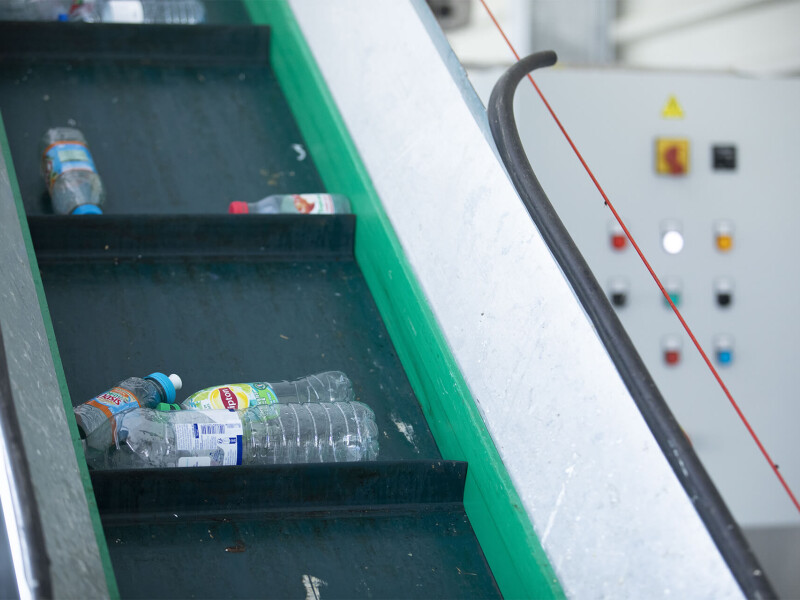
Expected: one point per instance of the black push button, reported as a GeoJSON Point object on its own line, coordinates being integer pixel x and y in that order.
{"type": "Point", "coordinates": [619, 299]}
{"type": "Point", "coordinates": [724, 299]}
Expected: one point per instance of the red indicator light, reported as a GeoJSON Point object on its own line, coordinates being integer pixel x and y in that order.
{"type": "Point", "coordinates": [618, 241]}
{"type": "Point", "coordinates": [672, 357]}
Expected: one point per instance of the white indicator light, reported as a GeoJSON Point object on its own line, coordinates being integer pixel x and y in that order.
{"type": "Point", "coordinates": [672, 241]}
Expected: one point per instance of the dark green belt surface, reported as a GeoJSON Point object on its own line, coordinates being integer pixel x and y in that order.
{"type": "Point", "coordinates": [179, 125]}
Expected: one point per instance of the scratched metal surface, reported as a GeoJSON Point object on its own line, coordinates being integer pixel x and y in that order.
{"type": "Point", "coordinates": [74, 557]}
{"type": "Point", "coordinates": [607, 507]}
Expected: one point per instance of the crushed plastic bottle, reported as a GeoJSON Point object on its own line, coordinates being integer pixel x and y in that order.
{"type": "Point", "coordinates": [96, 417]}
{"type": "Point", "coordinates": [259, 435]}
{"type": "Point", "coordinates": [293, 204]}
{"type": "Point", "coordinates": [170, 12]}
{"type": "Point", "coordinates": [69, 172]}
{"type": "Point", "coordinates": [330, 386]}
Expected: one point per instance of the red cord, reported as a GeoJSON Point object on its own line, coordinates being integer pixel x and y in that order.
{"type": "Point", "coordinates": [652, 273]}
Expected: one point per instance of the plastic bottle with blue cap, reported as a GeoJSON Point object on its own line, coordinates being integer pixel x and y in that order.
{"type": "Point", "coordinates": [96, 418]}
{"type": "Point", "coordinates": [70, 173]}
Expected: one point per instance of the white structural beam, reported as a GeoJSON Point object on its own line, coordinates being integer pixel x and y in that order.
{"type": "Point", "coordinates": [608, 509]}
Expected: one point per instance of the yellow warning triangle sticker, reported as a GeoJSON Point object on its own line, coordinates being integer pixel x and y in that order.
{"type": "Point", "coordinates": [672, 109]}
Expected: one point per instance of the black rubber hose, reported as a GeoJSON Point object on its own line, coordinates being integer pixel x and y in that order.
{"type": "Point", "coordinates": [670, 437]}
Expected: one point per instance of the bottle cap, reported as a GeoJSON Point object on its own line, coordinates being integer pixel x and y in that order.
{"type": "Point", "coordinates": [177, 382]}
{"type": "Point", "coordinates": [164, 407]}
{"type": "Point", "coordinates": [168, 383]}
{"type": "Point", "coordinates": [87, 209]}
{"type": "Point", "coordinates": [238, 208]}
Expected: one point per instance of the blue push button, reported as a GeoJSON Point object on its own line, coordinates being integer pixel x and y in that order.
{"type": "Point", "coordinates": [723, 347]}
{"type": "Point", "coordinates": [724, 357]}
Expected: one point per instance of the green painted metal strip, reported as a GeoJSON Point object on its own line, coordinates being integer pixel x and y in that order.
{"type": "Point", "coordinates": [509, 542]}
{"type": "Point", "coordinates": [105, 558]}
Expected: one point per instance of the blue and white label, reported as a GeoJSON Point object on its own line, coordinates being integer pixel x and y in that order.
{"type": "Point", "coordinates": [215, 442]}
{"type": "Point", "coordinates": [61, 157]}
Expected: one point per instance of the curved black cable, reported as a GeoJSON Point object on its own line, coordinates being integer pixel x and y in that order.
{"type": "Point", "coordinates": [670, 437]}
{"type": "Point", "coordinates": [29, 526]}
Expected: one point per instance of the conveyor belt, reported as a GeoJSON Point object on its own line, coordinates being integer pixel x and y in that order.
{"type": "Point", "coordinates": [180, 124]}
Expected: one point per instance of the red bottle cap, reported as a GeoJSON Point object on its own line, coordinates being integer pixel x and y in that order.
{"type": "Point", "coordinates": [238, 208]}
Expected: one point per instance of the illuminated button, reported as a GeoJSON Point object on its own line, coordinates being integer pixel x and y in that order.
{"type": "Point", "coordinates": [617, 236]}
{"type": "Point", "coordinates": [723, 349]}
{"type": "Point", "coordinates": [672, 156]}
{"type": "Point", "coordinates": [671, 350]}
{"type": "Point", "coordinates": [618, 292]}
{"type": "Point", "coordinates": [723, 236]}
{"type": "Point", "coordinates": [672, 241]}
{"type": "Point", "coordinates": [723, 292]}
{"type": "Point", "coordinates": [671, 237]}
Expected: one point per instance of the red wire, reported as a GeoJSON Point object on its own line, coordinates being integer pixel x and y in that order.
{"type": "Point", "coordinates": [652, 273]}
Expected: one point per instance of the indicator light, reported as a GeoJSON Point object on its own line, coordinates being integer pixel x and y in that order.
{"type": "Point", "coordinates": [671, 350]}
{"type": "Point", "coordinates": [724, 242]}
{"type": "Point", "coordinates": [672, 241]}
{"type": "Point", "coordinates": [673, 288]}
{"type": "Point", "coordinates": [723, 349]}
{"type": "Point", "coordinates": [671, 237]}
{"type": "Point", "coordinates": [672, 156]}
{"type": "Point", "coordinates": [723, 292]}
{"type": "Point", "coordinates": [723, 236]}
{"type": "Point", "coordinates": [617, 236]}
{"type": "Point", "coordinates": [618, 292]}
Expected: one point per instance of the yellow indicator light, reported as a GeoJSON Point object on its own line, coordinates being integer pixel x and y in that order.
{"type": "Point", "coordinates": [724, 242]}
{"type": "Point", "coordinates": [672, 156]}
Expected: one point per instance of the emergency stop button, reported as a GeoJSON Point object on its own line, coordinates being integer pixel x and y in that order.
{"type": "Point", "coordinates": [672, 156]}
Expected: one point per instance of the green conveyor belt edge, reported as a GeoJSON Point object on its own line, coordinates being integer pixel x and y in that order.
{"type": "Point", "coordinates": [507, 537]}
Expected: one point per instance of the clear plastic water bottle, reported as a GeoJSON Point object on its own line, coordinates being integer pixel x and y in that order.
{"type": "Point", "coordinates": [293, 204]}
{"type": "Point", "coordinates": [330, 386]}
{"type": "Point", "coordinates": [69, 172]}
{"type": "Point", "coordinates": [260, 435]}
{"type": "Point", "coordinates": [34, 10]}
{"type": "Point", "coordinates": [96, 417]}
{"type": "Point", "coordinates": [170, 12]}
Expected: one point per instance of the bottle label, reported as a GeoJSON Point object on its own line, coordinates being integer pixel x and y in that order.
{"type": "Point", "coordinates": [313, 204]}
{"type": "Point", "coordinates": [115, 400]}
{"type": "Point", "coordinates": [61, 157]}
{"type": "Point", "coordinates": [211, 444]}
{"type": "Point", "coordinates": [234, 396]}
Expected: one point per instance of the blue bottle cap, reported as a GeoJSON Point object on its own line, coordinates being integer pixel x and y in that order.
{"type": "Point", "coordinates": [87, 209]}
{"type": "Point", "coordinates": [166, 383]}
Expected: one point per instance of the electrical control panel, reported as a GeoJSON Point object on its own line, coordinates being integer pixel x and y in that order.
{"type": "Point", "coordinates": [704, 170]}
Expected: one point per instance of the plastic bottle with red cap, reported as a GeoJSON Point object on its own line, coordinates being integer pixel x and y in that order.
{"type": "Point", "coordinates": [294, 204]}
